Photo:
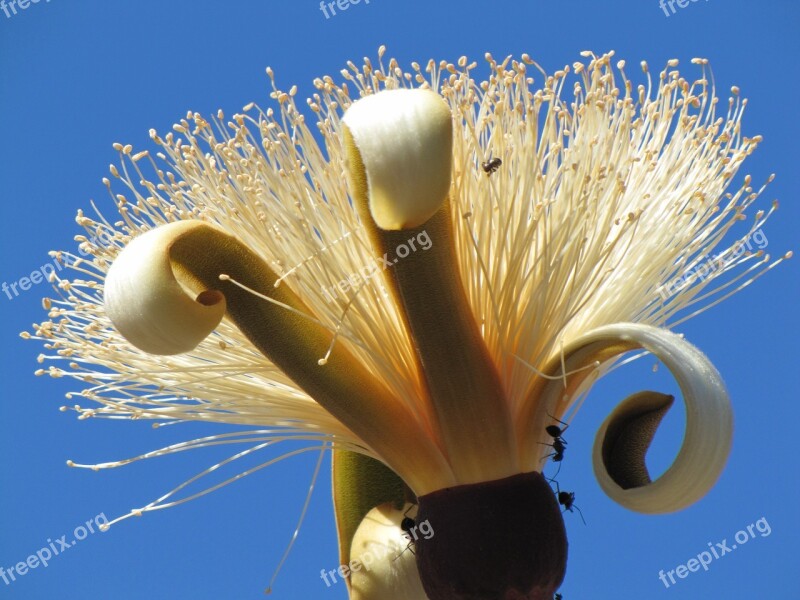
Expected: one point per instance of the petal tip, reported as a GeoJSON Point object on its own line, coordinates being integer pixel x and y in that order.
{"type": "Point", "coordinates": [147, 304]}
{"type": "Point", "coordinates": [404, 138]}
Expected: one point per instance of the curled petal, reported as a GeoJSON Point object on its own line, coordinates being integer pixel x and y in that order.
{"type": "Point", "coordinates": [629, 431]}
{"type": "Point", "coordinates": [149, 305]}
{"type": "Point", "coordinates": [622, 440]}
{"type": "Point", "coordinates": [405, 141]}
{"type": "Point", "coordinates": [382, 565]}
{"type": "Point", "coordinates": [163, 297]}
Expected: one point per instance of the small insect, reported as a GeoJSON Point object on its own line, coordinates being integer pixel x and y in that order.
{"type": "Point", "coordinates": [554, 431]}
{"type": "Point", "coordinates": [559, 444]}
{"type": "Point", "coordinates": [491, 165]}
{"type": "Point", "coordinates": [567, 500]}
{"type": "Point", "coordinates": [558, 597]}
{"type": "Point", "coordinates": [408, 525]}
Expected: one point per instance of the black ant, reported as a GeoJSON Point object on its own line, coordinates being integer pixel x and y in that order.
{"type": "Point", "coordinates": [559, 444]}
{"type": "Point", "coordinates": [567, 500]}
{"type": "Point", "coordinates": [554, 431]}
{"type": "Point", "coordinates": [491, 165]}
{"type": "Point", "coordinates": [407, 525]}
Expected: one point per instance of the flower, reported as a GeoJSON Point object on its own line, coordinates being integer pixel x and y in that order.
{"type": "Point", "coordinates": [385, 294]}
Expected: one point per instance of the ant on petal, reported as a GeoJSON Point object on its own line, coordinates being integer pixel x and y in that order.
{"type": "Point", "coordinates": [408, 525]}
{"type": "Point", "coordinates": [559, 444]}
{"type": "Point", "coordinates": [554, 431]}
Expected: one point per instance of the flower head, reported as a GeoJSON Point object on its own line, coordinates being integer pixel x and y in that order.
{"type": "Point", "coordinates": [384, 293]}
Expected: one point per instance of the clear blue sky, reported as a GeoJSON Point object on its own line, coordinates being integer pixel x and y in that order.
{"type": "Point", "coordinates": [77, 76]}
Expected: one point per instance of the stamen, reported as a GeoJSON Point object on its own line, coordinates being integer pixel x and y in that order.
{"type": "Point", "coordinates": [740, 287]}
{"type": "Point", "coordinates": [249, 290]}
{"type": "Point", "coordinates": [300, 520]}
{"type": "Point", "coordinates": [335, 330]}
{"type": "Point", "coordinates": [324, 360]}
{"type": "Point", "coordinates": [159, 504]}
{"type": "Point", "coordinates": [562, 375]}
{"type": "Point", "coordinates": [274, 436]}
{"type": "Point", "coordinates": [311, 257]}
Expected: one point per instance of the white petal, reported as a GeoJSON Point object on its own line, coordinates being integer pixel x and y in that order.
{"type": "Point", "coordinates": [387, 567]}
{"type": "Point", "coordinates": [149, 306]}
{"type": "Point", "coordinates": [709, 422]}
{"type": "Point", "coordinates": [405, 138]}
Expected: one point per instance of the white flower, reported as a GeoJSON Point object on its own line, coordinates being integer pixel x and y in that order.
{"type": "Point", "coordinates": [448, 364]}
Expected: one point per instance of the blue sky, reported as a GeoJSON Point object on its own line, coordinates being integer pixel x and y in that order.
{"type": "Point", "coordinates": [77, 76]}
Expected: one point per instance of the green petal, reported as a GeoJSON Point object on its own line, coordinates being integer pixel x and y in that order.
{"type": "Point", "coordinates": [361, 483]}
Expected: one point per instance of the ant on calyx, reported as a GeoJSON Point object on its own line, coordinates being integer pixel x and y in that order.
{"type": "Point", "coordinates": [567, 500]}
